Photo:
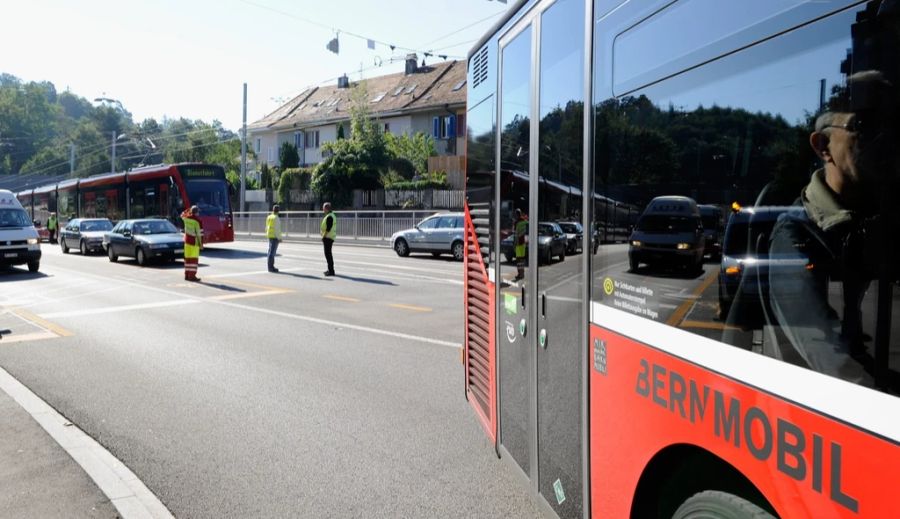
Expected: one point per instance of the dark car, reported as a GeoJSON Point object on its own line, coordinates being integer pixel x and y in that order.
{"type": "Point", "coordinates": [552, 242]}
{"type": "Point", "coordinates": [144, 240]}
{"type": "Point", "coordinates": [574, 236]}
{"type": "Point", "coordinates": [744, 271]}
{"type": "Point", "coordinates": [711, 216]}
{"type": "Point", "coordinates": [84, 234]}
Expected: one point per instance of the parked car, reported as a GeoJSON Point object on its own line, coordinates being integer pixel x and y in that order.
{"type": "Point", "coordinates": [144, 240]}
{"type": "Point", "coordinates": [668, 233]}
{"type": "Point", "coordinates": [744, 269]}
{"type": "Point", "coordinates": [574, 236]}
{"type": "Point", "coordinates": [437, 234]}
{"type": "Point", "coordinates": [713, 226]}
{"type": "Point", "coordinates": [552, 242]}
{"type": "Point", "coordinates": [84, 234]}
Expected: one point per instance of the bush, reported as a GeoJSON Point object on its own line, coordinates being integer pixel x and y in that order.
{"type": "Point", "coordinates": [293, 178]}
{"type": "Point", "coordinates": [288, 156]}
{"type": "Point", "coordinates": [436, 180]}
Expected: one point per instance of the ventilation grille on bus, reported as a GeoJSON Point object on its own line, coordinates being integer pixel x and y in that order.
{"type": "Point", "coordinates": [478, 317]}
{"type": "Point", "coordinates": [480, 67]}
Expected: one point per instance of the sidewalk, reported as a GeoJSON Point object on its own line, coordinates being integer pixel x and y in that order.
{"type": "Point", "coordinates": [37, 477]}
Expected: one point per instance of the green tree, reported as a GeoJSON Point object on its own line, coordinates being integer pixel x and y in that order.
{"type": "Point", "coordinates": [288, 156]}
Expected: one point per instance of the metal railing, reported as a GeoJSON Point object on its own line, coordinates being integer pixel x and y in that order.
{"type": "Point", "coordinates": [373, 226]}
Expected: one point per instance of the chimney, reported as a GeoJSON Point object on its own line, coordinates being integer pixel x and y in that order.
{"type": "Point", "coordinates": [344, 81]}
{"type": "Point", "coordinates": [411, 66]}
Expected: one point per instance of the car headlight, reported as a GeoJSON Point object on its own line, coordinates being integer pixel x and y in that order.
{"type": "Point", "coordinates": [159, 245]}
{"type": "Point", "coordinates": [636, 243]}
{"type": "Point", "coordinates": [684, 246]}
{"type": "Point", "coordinates": [32, 241]}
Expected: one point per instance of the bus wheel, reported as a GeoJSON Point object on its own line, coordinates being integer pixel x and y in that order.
{"type": "Point", "coordinates": [713, 504]}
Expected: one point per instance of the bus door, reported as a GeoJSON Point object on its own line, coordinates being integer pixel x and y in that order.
{"type": "Point", "coordinates": [541, 304]}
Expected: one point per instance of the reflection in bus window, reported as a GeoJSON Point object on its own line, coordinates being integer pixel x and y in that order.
{"type": "Point", "coordinates": [797, 135]}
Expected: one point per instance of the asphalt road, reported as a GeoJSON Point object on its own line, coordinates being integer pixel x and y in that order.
{"type": "Point", "coordinates": [266, 395]}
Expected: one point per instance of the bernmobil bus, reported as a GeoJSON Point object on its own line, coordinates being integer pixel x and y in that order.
{"type": "Point", "coordinates": [617, 390]}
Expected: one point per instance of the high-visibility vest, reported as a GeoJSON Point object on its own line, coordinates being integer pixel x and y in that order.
{"type": "Point", "coordinates": [332, 234]}
{"type": "Point", "coordinates": [51, 223]}
{"type": "Point", "coordinates": [521, 233]}
{"type": "Point", "coordinates": [193, 235]}
{"type": "Point", "coordinates": [273, 226]}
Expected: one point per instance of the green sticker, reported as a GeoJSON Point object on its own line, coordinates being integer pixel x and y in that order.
{"type": "Point", "coordinates": [558, 489]}
{"type": "Point", "coordinates": [510, 304]}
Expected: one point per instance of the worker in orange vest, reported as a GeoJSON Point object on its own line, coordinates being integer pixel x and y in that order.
{"type": "Point", "coordinates": [193, 242]}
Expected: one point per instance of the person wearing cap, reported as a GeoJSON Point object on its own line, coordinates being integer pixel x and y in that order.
{"type": "Point", "coordinates": [273, 233]}
{"type": "Point", "coordinates": [193, 242]}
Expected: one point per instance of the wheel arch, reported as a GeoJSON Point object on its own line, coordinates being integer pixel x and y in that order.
{"type": "Point", "coordinates": [679, 471]}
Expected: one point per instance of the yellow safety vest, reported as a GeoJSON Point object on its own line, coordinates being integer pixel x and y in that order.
{"type": "Point", "coordinates": [51, 223]}
{"type": "Point", "coordinates": [332, 234]}
{"type": "Point", "coordinates": [521, 233]}
{"type": "Point", "coordinates": [193, 236]}
{"type": "Point", "coordinates": [273, 226]}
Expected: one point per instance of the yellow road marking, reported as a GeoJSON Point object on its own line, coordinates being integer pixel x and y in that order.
{"type": "Point", "coordinates": [342, 298]}
{"type": "Point", "coordinates": [683, 308]}
{"type": "Point", "coordinates": [35, 336]}
{"type": "Point", "coordinates": [227, 297]}
{"type": "Point", "coordinates": [253, 285]}
{"type": "Point", "coordinates": [412, 307]}
{"type": "Point", "coordinates": [41, 323]}
{"type": "Point", "coordinates": [707, 325]}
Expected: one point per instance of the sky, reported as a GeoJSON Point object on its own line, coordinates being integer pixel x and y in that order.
{"type": "Point", "coordinates": [190, 58]}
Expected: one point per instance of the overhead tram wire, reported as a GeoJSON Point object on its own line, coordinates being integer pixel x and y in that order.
{"type": "Point", "coordinates": [473, 24]}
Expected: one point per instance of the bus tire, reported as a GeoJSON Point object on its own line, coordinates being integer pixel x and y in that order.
{"type": "Point", "coordinates": [713, 504]}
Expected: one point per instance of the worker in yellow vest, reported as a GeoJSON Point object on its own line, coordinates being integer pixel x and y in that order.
{"type": "Point", "coordinates": [273, 233]}
{"type": "Point", "coordinates": [329, 234]}
{"type": "Point", "coordinates": [521, 229]}
{"type": "Point", "coordinates": [52, 225]}
{"type": "Point", "coordinates": [193, 241]}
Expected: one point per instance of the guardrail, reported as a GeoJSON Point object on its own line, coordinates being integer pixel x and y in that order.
{"type": "Point", "coordinates": [373, 226]}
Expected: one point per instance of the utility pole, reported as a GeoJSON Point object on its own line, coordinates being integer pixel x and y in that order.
{"type": "Point", "coordinates": [112, 159]}
{"type": "Point", "coordinates": [244, 153]}
{"type": "Point", "coordinates": [71, 160]}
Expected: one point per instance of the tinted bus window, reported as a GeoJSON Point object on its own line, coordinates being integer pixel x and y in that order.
{"type": "Point", "coordinates": [788, 136]}
{"type": "Point", "coordinates": [480, 174]}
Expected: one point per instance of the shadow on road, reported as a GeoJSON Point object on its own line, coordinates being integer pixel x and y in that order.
{"type": "Point", "coordinates": [232, 254]}
{"type": "Point", "coordinates": [366, 280]}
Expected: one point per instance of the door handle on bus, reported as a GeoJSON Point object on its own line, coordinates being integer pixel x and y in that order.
{"type": "Point", "coordinates": [544, 304]}
{"type": "Point", "coordinates": [523, 296]}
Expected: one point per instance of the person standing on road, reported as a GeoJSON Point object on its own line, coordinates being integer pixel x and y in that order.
{"type": "Point", "coordinates": [273, 233]}
{"type": "Point", "coordinates": [329, 233]}
{"type": "Point", "coordinates": [52, 225]}
{"type": "Point", "coordinates": [193, 242]}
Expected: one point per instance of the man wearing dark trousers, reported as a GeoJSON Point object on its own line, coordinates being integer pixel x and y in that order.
{"type": "Point", "coordinates": [329, 233]}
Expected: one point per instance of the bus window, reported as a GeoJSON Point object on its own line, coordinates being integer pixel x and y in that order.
{"type": "Point", "coordinates": [790, 133]}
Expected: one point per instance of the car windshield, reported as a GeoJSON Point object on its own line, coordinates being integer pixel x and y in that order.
{"type": "Point", "coordinates": [572, 228]}
{"type": "Point", "coordinates": [99, 225]}
{"type": "Point", "coordinates": [158, 227]}
{"type": "Point", "coordinates": [710, 221]}
{"type": "Point", "coordinates": [667, 224]}
{"type": "Point", "coordinates": [546, 230]}
{"type": "Point", "coordinates": [13, 218]}
{"type": "Point", "coordinates": [744, 236]}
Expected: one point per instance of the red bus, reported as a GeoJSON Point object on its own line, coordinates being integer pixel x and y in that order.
{"type": "Point", "coordinates": [762, 383]}
{"type": "Point", "coordinates": [161, 191]}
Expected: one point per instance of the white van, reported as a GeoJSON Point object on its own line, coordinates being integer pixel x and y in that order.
{"type": "Point", "coordinates": [19, 241]}
{"type": "Point", "coordinates": [669, 233]}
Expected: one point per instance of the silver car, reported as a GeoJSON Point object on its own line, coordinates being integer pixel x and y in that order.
{"type": "Point", "coordinates": [437, 234]}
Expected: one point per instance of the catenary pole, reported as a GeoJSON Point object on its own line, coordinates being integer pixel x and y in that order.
{"type": "Point", "coordinates": [244, 153]}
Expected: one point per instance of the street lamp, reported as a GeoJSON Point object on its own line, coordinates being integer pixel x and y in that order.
{"type": "Point", "coordinates": [115, 139]}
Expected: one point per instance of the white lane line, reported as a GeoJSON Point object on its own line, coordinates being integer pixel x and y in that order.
{"type": "Point", "coordinates": [122, 308]}
{"type": "Point", "coordinates": [188, 298]}
{"type": "Point", "coordinates": [132, 499]}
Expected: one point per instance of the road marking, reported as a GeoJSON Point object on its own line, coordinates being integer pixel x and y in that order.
{"type": "Point", "coordinates": [412, 307]}
{"type": "Point", "coordinates": [245, 295]}
{"type": "Point", "coordinates": [683, 308]}
{"type": "Point", "coordinates": [126, 308]}
{"type": "Point", "coordinates": [707, 325]}
{"type": "Point", "coordinates": [342, 298]}
{"type": "Point", "coordinates": [35, 336]}
{"type": "Point", "coordinates": [41, 322]}
{"type": "Point", "coordinates": [125, 491]}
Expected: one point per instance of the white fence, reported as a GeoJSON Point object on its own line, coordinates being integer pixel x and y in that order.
{"type": "Point", "coordinates": [373, 226]}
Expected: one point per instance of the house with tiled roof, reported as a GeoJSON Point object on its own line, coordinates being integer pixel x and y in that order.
{"type": "Point", "coordinates": [429, 99]}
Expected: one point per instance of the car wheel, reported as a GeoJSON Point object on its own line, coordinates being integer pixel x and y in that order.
{"type": "Point", "coordinates": [458, 250]}
{"type": "Point", "coordinates": [401, 248]}
{"type": "Point", "coordinates": [34, 266]}
{"type": "Point", "coordinates": [83, 248]}
{"type": "Point", "coordinates": [724, 305]}
{"type": "Point", "coordinates": [509, 258]}
{"type": "Point", "coordinates": [548, 256]}
{"type": "Point", "coordinates": [562, 255]}
{"type": "Point", "coordinates": [112, 255]}
{"type": "Point", "coordinates": [713, 504]}
{"type": "Point", "coordinates": [141, 256]}
{"type": "Point", "coordinates": [63, 246]}
{"type": "Point", "coordinates": [633, 265]}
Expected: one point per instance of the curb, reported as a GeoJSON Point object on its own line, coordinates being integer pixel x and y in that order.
{"type": "Point", "coordinates": [132, 499]}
